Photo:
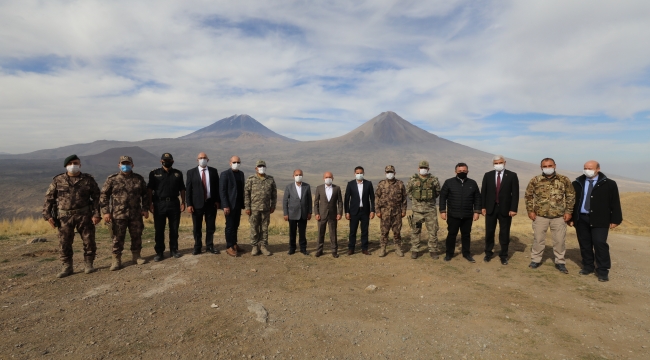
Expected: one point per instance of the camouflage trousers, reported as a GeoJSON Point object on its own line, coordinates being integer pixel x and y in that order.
{"type": "Point", "coordinates": [431, 219]}
{"type": "Point", "coordinates": [390, 222]}
{"type": "Point", "coordinates": [83, 224]}
{"type": "Point", "coordinates": [259, 221]}
{"type": "Point", "coordinates": [119, 227]}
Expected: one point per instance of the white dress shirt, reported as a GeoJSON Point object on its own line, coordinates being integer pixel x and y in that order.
{"type": "Point", "coordinates": [299, 190]}
{"type": "Point", "coordinates": [328, 192]}
{"type": "Point", "coordinates": [207, 179]}
{"type": "Point", "coordinates": [497, 176]}
{"type": "Point", "coordinates": [360, 188]}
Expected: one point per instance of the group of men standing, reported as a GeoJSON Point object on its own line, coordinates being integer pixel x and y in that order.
{"type": "Point", "coordinates": [74, 202]}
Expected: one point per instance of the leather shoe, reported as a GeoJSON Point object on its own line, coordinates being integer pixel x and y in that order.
{"type": "Point", "coordinates": [335, 255]}
{"type": "Point", "coordinates": [603, 278]}
{"type": "Point", "coordinates": [504, 261]}
{"type": "Point", "coordinates": [562, 268]}
{"type": "Point", "coordinates": [213, 250]}
{"type": "Point", "coordinates": [291, 252]}
{"type": "Point", "coordinates": [175, 254]}
{"type": "Point", "coordinates": [231, 251]}
{"type": "Point", "coordinates": [318, 253]}
{"type": "Point", "coordinates": [158, 257]}
{"type": "Point", "coordinates": [469, 258]}
{"type": "Point", "coordinates": [534, 265]}
{"type": "Point", "coordinates": [487, 258]}
{"type": "Point", "coordinates": [195, 252]}
{"type": "Point", "coordinates": [585, 272]}
{"type": "Point", "coordinates": [304, 252]}
{"type": "Point", "coordinates": [351, 252]}
{"type": "Point", "coordinates": [447, 258]}
{"type": "Point", "coordinates": [365, 252]}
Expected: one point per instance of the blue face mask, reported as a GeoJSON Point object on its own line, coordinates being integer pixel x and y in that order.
{"type": "Point", "coordinates": [125, 168]}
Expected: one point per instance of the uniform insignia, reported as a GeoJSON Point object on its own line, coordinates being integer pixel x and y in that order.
{"type": "Point", "coordinates": [177, 174]}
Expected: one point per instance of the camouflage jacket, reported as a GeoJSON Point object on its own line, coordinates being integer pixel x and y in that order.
{"type": "Point", "coordinates": [124, 196]}
{"type": "Point", "coordinates": [550, 197]}
{"type": "Point", "coordinates": [390, 197]}
{"type": "Point", "coordinates": [260, 193]}
{"type": "Point", "coordinates": [423, 192]}
{"type": "Point", "coordinates": [72, 193]}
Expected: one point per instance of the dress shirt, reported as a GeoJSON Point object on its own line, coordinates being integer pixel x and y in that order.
{"type": "Point", "coordinates": [328, 192]}
{"type": "Point", "coordinates": [360, 188]}
{"type": "Point", "coordinates": [207, 179]}
{"type": "Point", "coordinates": [299, 190]}
{"type": "Point", "coordinates": [497, 175]}
{"type": "Point", "coordinates": [584, 195]}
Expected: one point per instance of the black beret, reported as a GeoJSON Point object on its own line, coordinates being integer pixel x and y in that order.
{"type": "Point", "coordinates": [166, 156]}
{"type": "Point", "coordinates": [70, 158]}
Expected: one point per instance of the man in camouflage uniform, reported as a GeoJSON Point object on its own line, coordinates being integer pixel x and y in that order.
{"type": "Point", "coordinates": [75, 196]}
{"type": "Point", "coordinates": [260, 197]}
{"type": "Point", "coordinates": [549, 202]}
{"type": "Point", "coordinates": [124, 201]}
{"type": "Point", "coordinates": [423, 189]}
{"type": "Point", "coordinates": [390, 202]}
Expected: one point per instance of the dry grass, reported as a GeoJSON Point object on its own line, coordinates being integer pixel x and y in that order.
{"type": "Point", "coordinates": [26, 226]}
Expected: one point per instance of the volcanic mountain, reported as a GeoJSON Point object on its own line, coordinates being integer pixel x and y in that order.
{"type": "Point", "coordinates": [236, 126]}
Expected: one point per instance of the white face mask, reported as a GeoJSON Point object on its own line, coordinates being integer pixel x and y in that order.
{"type": "Point", "coordinates": [234, 166]}
{"type": "Point", "coordinates": [590, 173]}
{"type": "Point", "coordinates": [424, 171]}
{"type": "Point", "coordinates": [390, 176]}
{"type": "Point", "coordinates": [499, 167]}
{"type": "Point", "coordinates": [298, 178]}
{"type": "Point", "coordinates": [358, 176]}
{"type": "Point", "coordinates": [328, 181]}
{"type": "Point", "coordinates": [203, 162]}
{"type": "Point", "coordinates": [261, 170]}
{"type": "Point", "coordinates": [548, 171]}
{"type": "Point", "coordinates": [72, 169]}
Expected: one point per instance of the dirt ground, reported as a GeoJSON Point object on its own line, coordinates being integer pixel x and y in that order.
{"type": "Point", "coordinates": [319, 308]}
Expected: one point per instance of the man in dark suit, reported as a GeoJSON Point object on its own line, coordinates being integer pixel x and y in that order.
{"type": "Point", "coordinates": [231, 193]}
{"type": "Point", "coordinates": [359, 208]}
{"type": "Point", "coordinates": [500, 195]}
{"type": "Point", "coordinates": [328, 207]}
{"type": "Point", "coordinates": [202, 198]}
{"type": "Point", "coordinates": [296, 206]}
{"type": "Point", "coordinates": [597, 209]}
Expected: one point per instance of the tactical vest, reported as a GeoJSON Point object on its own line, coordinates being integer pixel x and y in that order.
{"type": "Point", "coordinates": [423, 189]}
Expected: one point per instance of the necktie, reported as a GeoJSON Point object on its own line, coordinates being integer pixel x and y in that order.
{"type": "Point", "coordinates": [205, 186]}
{"type": "Point", "coordinates": [588, 200]}
{"type": "Point", "coordinates": [498, 184]}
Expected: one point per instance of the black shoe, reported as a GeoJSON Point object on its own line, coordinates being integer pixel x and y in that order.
{"type": "Point", "coordinates": [212, 250]}
{"type": "Point", "coordinates": [335, 255]}
{"type": "Point", "coordinates": [318, 253]}
{"type": "Point", "coordinates": [304, 252]}
{"type": "Point", "coordinates": [562, 268]}
{"type": "Point", "coordinates": [447, 258]}
{"type": "Point", "coordinates": [469, 258]}
{"type": "Point", "coordinates": [195, 252]}
{"type": "Point", "coordinates": [534, 265]}
{"type": "Point", "coordinates": [504, 261]}
{"type": "Point", "coordinates": [585, 272]}
{"type": "Point", "coordinates": [158, 257]}
{"type": "Point", "coordinates": [175, 254]}
{"type": "Point", "coordinates": [291, 252]}
{"type": "Point", "coordinates": [603, 278]}
{"type": "Point", "coordinates": [487, 258]}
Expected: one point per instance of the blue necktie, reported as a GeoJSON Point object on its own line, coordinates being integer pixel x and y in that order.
{"type": "Point", "coordinates": [588, 200]}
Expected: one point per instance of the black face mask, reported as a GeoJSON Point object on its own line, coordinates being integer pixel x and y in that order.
{"type": "Point", "coordinates": [168, 163]}
{"type": "Point", "coordinates": [462, 175]}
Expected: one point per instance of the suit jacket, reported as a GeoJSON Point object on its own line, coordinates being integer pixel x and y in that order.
{"type": "Point", "coordinates": [605, 202]}
{"type": "Point", "coordinates": [323, 207]}
{"type": "Point", "coordinates": [228, 187]}
{"type": "Point", "coordinates": [297, 208]}
{"type": "Point", "coordinates": [351, 202]}
{"type": "Point", "coordinates": [508, 195]}
{"type": "Point", "coordinates": [194, 187]}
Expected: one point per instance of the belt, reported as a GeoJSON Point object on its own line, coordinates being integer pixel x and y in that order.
{"type": "Point", "coordinates": [167, 199]}
{"type": "Point", "coordinates": [83, 210]}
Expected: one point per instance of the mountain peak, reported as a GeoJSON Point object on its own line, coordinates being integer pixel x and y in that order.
{"type": "Point", "coordinates": [234, 127]}
{"type": "Point", "coordinates": [389, 128]}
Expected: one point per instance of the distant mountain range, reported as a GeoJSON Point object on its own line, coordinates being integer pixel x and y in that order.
{"type": "Point", "coordinates": [383, 140]}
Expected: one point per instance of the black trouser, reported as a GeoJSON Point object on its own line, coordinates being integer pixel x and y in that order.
{"type": "Point", "coordinates": [364, 219]}
{"type": "Point", "coordinates": [301, 226]}
{"type": "Point", "coordinates": [209, 212]}
{"type": "Point", "coordinates": [163, 211]}
{"type": "Point", "coordinates": [593, 241]}
{"type": "Point", "coordinates": [453, 225]}
{"type": "Point", "coordinates": [504, 232]}
{"type": "Point", "coordinates": [232, 226]}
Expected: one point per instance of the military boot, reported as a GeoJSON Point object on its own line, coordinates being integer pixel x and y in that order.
{"type": "Point", "coordinates": [135, 256]}
{"type": "Point", "coordinates": [264, 250]}
{"type": "Point", "coordinates": [66, 270]}
{"type": "Point", "coordinates": [88, 266]}
{"type": "Point", "coordinates": [117, 262]}
{"type": "Point", "coordinates": [256, 250]}
{"type": "Point", "coordinates": [382, 251]}
{"type": "Point", "coordinates": [414, 254]}
{"type": "Point", "coordinates": [398, 251]}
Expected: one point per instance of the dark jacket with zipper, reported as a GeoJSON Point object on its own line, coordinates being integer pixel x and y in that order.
{"type": "Point", "coordinates": [460, 199]}
{"type": "Point", "coordinates": [605, 201]}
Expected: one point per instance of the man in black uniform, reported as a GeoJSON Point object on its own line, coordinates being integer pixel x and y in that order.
{"type": "Point", "coordinates": [165, 185]}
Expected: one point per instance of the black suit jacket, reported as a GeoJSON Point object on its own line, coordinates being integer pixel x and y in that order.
{"type": "Point", "coordinates": [228, 187]}
{"type": "Point", "coordinates": [351, 202]}
{"type": "Point", "coordinates": [508, 195]}
{"type": "Point", "coordinates": [605, 202]}
{"type": "Point", "coordinates": [194, 187]}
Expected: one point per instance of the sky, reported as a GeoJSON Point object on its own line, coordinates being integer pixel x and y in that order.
{"type": "Point", "coordinates": [526, 79]}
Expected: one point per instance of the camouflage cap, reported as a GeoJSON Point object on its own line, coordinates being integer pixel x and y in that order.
{"type": "Point", "coordinates": [70, 158]}
{"type": "Point", "coordinates": [260, 163]}
{"type": "Point", "coordinates": [424, 164]}
{"type": "Point", "coordinates": [389, 168]}
{"type": "Point", "coordinates": [166, 156]}
{"type": "Point", "coordinates": [126, 158]}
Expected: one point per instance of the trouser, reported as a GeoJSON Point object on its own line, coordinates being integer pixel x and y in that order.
{"type": "Point", "coordinates": [209, 212]}
{"type": "Point", "coordinates": [323, 224]}
{"type": "Point", "coordinates": [259, 221]}
{"type": "Point", "coordinates": [301, 227]}
{"type": "Point", "coordinates": [135, 227]}
{"type": "Point", "coordinates": [232, 226]}
{"type": "Point", "coordinates": [430, 218]}
{"type": "Point", "coordinates": [593, 241]}
{"type": "Point", "coordinates": [164, 211]}
{"type": "Point", "coordinates": [558, 230]}
{"type": "Point", "coordinates": [455, 224]}
{"type": "Point", "coordinates": [504, 232]}
{"type": "Point", "coordinates": [390, 222]}
{"type": "Point", "coordinates": [355, 220]}
{"type": "Point", "coordinates": [83, 224]}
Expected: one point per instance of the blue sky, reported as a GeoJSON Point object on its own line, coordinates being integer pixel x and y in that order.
{"type": "Point", "coordinates": [528, 79]}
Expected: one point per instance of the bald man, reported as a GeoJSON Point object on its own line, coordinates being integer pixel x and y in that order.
{"type": "Point", "coordinates": [232, 201]}
{"type": "Point", "coordinates": [203, 200]}
{"type": "Point", "coordinates": [296, 206]}
{"type": "Point", "coordinates": [328, 207]}
{"type": "Point", "coordinates": [596, 211]}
